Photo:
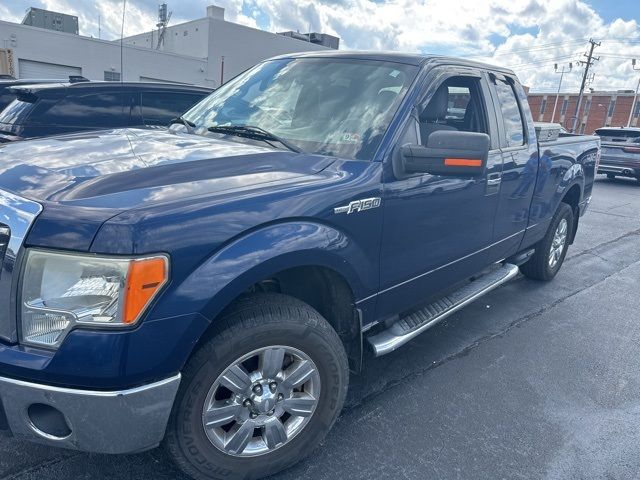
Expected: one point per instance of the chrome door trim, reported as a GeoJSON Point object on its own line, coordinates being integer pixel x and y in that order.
{"type": "Point", "coordinates": [388, 289]}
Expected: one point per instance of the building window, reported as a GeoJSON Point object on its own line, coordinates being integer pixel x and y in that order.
{"type": "Point", "coordinates": [112, 76]}
{"type": "Point", "coordinates": [636, 109]}
{"type": "Point", "coordinates": [612, 108]}
{"type": "Point", "coordinates": [543, 106]}
{"type": "Point", "coordinates": [565, 104]}
{"type": "Point", "coordinates": [587, 106]}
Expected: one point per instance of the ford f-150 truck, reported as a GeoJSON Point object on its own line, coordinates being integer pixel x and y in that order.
{"type": "Point", "coordinates": [210, 287]}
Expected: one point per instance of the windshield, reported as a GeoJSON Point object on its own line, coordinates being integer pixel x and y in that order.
{"type": "Point", "coordinates": [339, 107]}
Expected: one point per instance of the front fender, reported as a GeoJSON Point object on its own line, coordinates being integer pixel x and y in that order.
{"type": "Point", "coordinates": [264, 252]}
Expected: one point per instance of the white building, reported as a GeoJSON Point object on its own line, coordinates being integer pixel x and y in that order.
{"type": "Point", "coordinates": [201, 52]}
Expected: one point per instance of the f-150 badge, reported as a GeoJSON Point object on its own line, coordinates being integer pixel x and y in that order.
{"type": "Point", "coordinates": [359, 205]}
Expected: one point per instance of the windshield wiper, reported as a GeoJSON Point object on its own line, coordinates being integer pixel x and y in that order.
{"type": "Point", "coordinates": [183, 121]}
{"type": "Point", "coordinates": [256, 133]}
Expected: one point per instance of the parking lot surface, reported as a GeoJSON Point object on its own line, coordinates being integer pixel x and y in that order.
{"type": "Point", "coordinates": [532, 381]}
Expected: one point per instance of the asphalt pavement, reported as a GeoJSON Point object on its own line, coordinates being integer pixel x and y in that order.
{"type": "Point", "coordinates": [533, 381]}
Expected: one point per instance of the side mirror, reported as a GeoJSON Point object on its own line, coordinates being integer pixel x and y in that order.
{"type": "Point", "coordinates": [451, 153]}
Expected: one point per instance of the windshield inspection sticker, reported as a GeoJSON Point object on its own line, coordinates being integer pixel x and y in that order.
{"type": "Point", "coordinates": [359, 205]}
{"type": "Point", "coordinates": [351, 137]}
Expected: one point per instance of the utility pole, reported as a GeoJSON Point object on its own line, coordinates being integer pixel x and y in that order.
{"type": "Point", "coordinates": [590, 61]}
{"type": "Point", "coordinates": [635, 95]}
{"type": "Point", "coordinates": [555, 105]}
{"type": "Point", "coordinates": [124, 9]}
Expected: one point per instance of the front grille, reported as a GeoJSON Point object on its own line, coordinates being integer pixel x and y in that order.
{"type": "Point", "coordinates": [5, 236]}
{"type": "Point", "coordinates": [17, 215]}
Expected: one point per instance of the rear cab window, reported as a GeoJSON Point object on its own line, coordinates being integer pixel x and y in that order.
{"type": "Point", "coordinates": [512, 118]}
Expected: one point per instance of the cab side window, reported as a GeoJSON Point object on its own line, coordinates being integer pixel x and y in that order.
{"type": "Point", "coordinates": [158, 108]}
{"type": "Point", "coordinates": [511, 115]}
{"type": "Point", "coordinates": [100, 110]}
{"type": "Point", "coordinates": [457, 105]}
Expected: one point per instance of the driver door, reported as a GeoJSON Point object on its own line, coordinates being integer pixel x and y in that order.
{"type": "Point", "coordinates": [437, 228]}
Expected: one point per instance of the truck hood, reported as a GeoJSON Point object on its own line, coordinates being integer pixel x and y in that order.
{"type": "Point", "coordinates": [122, 169]}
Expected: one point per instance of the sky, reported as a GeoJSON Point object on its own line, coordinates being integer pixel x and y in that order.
{"type": "Point", "coordinates": [529, 36]}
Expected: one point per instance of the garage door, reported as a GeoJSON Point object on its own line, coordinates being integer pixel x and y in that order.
{"type": "Point", "coordinates": [31, 69]}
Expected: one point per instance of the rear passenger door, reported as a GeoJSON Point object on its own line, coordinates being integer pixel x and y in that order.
{"type": "Point", "coordinates": [519, 147]}
{"type": "Point", "coordinates": [159, 107]}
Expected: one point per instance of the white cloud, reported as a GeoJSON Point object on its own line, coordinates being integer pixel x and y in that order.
{"type": "Point", "coordinates": [528, 35]}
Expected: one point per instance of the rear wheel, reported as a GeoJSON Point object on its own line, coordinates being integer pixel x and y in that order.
{"type": "Point", "coordinates": [261, 393]}
{"type": "Point", "coordinates": [611, 176]}
{"type": "Point", "coordinates": [552, 249]}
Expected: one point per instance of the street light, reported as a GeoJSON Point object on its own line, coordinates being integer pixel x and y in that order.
{"type": "Point", "coordinates": [635, 95]}
{"type": "Point", "coordinates": [555, 105]}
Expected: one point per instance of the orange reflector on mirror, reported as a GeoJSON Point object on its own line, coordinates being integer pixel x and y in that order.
{"type": "Point", "coordinates": [145, 278]}
{"type": "Point", "coordinates": [462, 162]}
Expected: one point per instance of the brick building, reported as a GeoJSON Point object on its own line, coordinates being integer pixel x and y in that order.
{"type": "Point", "coordinates": [599, 109]}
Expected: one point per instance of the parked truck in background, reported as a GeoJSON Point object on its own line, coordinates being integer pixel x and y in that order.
{"type": "Point", "coordinates": [210, 287]}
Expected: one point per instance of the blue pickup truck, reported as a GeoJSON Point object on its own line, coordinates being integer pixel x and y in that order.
{"type": "Point", "coordinates": [210, 287]}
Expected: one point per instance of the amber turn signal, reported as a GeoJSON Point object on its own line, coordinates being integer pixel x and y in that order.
{"type": "Point", "coordinates": [462, 162]}
{"type": "Point", "coordinates": [145, 278]}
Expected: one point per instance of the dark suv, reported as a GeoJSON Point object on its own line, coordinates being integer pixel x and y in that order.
{"type": "Point", "coordinates": [57, 108]}
{"type": "Point", "coordinates": [8, 95]}
{"type": "Point", "coordinates": [620, 152]}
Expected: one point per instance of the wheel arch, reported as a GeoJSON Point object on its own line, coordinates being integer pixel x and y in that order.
{"type": "Point", "coordinates": [573, 197]}
{"type": "Point", "coordinates": [310, 261]}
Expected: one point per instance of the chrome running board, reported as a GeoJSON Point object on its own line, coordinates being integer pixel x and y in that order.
{"type": "Point", "coordinates": [409, 327]}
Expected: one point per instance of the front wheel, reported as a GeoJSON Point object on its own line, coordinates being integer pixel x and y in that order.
{"type": "Point", "coordinates": [552, 249]}
{"type": "Point", "coordinates": [261, 393]}
{"type": "Point", "coordinates": [611, 176]}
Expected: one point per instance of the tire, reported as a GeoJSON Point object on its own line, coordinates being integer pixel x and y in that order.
{"type": "Point", "coordinates": [611, 176]}
{"type": "Point", "coordinates": [539, 266]}
{"type": "Point", "coordinates": [265, 323]}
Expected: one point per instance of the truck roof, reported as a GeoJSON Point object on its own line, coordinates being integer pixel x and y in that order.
{"type": "Point", "coordinates": [416, 59]}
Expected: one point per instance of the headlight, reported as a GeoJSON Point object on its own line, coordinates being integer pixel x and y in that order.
{"type": "Point", "coordinates": [60, 291]}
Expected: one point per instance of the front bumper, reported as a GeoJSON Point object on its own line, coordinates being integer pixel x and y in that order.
{"type": "Point", "coordinates": [113, 422]}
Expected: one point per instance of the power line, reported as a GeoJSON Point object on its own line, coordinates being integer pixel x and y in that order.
{"type": "Point", "coordinates": [548, 46]}
{"type": "Point", "coordinates": [543, 61]}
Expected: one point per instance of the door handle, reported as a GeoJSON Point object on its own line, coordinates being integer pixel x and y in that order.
{"type": "Point", "coordinates": [494, 179]}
